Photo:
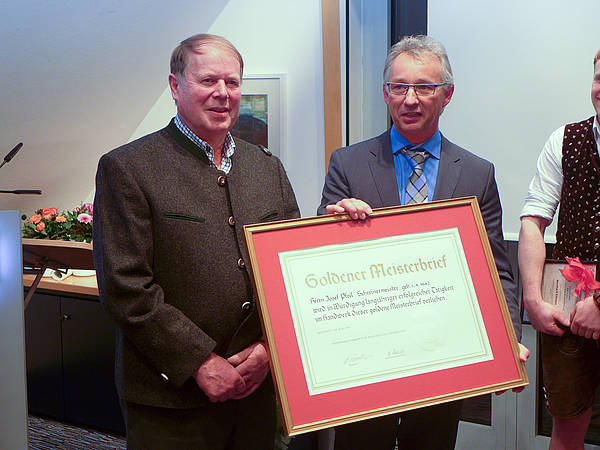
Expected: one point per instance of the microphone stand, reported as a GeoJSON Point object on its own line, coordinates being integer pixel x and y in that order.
{"type": "Point", "coordinates": [22, 191]}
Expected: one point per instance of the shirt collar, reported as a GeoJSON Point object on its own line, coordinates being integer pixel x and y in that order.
{"type": "Point", "coordinates": [596, 129]}
{"type": "Point", "coordinates": [433, 145]}
{"type": "Point", "coordinates": [228, 147]}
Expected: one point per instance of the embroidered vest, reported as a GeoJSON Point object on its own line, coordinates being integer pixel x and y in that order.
{"type": "Point", "coordinates": [579, 216]}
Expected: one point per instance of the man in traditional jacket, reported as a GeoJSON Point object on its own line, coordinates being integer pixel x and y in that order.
{"type": "Point", "coordinates": [191, 368]}
{"type": "Point", "coordinates": [568, 173]}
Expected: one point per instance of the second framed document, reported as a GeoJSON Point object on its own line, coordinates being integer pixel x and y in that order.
{"type": "Point", "coordinates": [559, 292]}
{"type": "Point", "coordinates": [367, 318]}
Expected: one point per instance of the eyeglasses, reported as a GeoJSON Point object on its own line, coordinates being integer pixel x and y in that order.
{"type": "Point", "coordinates": [421, 90]}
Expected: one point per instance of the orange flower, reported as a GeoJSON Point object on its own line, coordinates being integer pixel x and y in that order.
{"type": "Point", "coordinates": [48, 212]}
{"type": "Point", "coordinates": [35, 218]}
{"type": "Point", "coordinates": [61, 219]}
{"type": "Point", "coordinates": [40, 227]}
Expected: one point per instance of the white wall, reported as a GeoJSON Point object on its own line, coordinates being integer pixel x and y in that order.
{"type": "Point", "coordinates": [522, 69]}
{"type": "Point", "coordinates": [369, 32]}
{"type": "Point", "coordinates": [80, 78]}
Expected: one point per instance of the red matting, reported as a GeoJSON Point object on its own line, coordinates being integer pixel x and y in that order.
{"type": "Point", "coordinates": [318, 411]}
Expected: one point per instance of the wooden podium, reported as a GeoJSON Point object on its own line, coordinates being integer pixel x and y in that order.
{"type": "Point", "coordinates": [42, 254]}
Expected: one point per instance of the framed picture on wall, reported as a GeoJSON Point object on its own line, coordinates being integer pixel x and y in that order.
{"type": "Point", "coordinates": [261, 118]}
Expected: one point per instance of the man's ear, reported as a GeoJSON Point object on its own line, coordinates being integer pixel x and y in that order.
{"type": "Point", "coordinates": [448, 96]}
{"type": "Point", "coordinates": [175, 85]}
{"type": "Point", "coordinates": [386, 95]}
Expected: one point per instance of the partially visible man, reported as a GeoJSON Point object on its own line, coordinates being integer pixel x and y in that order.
{"type": "Point", "coordinates": [191, 367]}
{"type": "Point", "coordinates": [568, 172]}
{"type": "Point", "coordinates": [411, 163]}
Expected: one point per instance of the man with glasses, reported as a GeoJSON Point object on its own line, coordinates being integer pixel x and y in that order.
{"type": "Point", "coordinates": [413, 163]}
{"type": "Point", "coordinates": [568, 173]}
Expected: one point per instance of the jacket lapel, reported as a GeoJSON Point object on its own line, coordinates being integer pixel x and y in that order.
{"type": "Point", "coordinates": [381, 163]}
{"type": "Point", "coordinates": [448, 171]}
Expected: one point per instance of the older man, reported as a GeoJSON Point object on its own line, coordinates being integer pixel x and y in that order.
{"type": "Point", "coordinates": [568, 172]}
{"type": "Point", "coordinates": [412, 163]}
{"type": "Point", "coordinates": [191, 368]}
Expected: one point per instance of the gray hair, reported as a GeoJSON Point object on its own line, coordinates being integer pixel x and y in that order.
{"type": "Point", "coordinates": [419, 47]}
{"type": "Point", "coordinates": [179, 57]}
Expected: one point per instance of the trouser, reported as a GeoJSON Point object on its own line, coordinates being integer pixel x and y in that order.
{"type": "Point", "coordinates": [433, 427]}
{"type": "Point", "coordinates": [246, 424]}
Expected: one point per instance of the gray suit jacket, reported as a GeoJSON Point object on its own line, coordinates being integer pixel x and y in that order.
{"type": "Point", "coordinates": [366, 171]}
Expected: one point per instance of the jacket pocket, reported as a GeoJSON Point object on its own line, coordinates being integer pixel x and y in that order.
{"type": "Point", "coordinates": [184, 217]}
{"type": "Point", "coordinates": [269, 216]}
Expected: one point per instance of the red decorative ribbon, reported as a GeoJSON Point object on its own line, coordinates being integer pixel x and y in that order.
{"type": "Point", "coordinates": [576, 272]}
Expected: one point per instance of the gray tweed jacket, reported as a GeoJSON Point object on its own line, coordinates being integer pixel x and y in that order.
{"type": "Point", "coordinates": [169, 256]}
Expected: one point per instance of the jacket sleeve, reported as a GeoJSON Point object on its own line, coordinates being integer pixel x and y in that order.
{"type": "Point", "coordinates": [289, 198]}
{"type": "Point", "coordinates": [491, 211]}
{"type": "Point", "coordinates": [123, 255]}
{"type": "Point", "coordinates": [336, 185]}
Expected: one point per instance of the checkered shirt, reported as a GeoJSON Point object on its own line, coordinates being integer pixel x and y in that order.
{"type": "Point", "coordinates": [228, 146]}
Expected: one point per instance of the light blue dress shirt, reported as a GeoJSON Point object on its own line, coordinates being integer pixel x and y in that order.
{"type": "Point", "coordinates": [404, 165]}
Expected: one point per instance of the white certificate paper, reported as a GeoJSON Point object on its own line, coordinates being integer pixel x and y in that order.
{"type": "Point", "coordinates": [370, 311]}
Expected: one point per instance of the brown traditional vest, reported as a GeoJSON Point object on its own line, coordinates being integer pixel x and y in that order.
{"type": "Point", "coordinates": [579, 217]}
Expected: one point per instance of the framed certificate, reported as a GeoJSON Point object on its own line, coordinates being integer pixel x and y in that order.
{"type": "Point", "coordinates": [366, 318]}
{"type": "Point", "coordinates": [556, 290]}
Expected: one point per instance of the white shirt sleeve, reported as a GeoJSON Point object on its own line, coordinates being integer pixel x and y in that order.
{"type": "Point", "coordinates": [545, 187]}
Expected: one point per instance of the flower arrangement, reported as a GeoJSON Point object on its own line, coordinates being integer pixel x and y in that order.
{"type": "Point", "coordinates": [47, 223]}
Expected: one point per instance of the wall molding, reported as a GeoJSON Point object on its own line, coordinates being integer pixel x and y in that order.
{"type": "Point", "coordinates": [332, 90]}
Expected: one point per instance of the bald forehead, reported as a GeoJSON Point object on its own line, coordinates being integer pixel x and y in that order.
{"type": "Point", "coordinates": [213, 47]}
{"type": "Point", "coordinates": [217, 49]}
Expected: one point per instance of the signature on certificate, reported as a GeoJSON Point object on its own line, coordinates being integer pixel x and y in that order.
{"type": "Point", "coordinates": [394, 353]}
{"type": "Point", "coordinates": [356, 359]}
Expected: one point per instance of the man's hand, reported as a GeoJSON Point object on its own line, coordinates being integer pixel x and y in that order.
{"type": "Point", "coordinates": [523, 357]}
{"type": "Point", "coordinates": [585, 319]}
{"type": "Point", "coordinates": [356, 209]}
{"type": "Point", "coordinates": [532, 254]}
{"type": "Point", "coordinates": [545, 318]}
{"type": "Point", "coordinates": [218, 379]}
{"type": "Point", "coordinates": [523, 353]}
{"type": "Point", "coordinates": [252, 364]}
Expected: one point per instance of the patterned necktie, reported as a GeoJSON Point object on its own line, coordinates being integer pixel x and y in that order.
{"type": "Point", "coordinates": [416, 189]}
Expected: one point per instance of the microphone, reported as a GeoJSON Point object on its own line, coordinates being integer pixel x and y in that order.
{"type": "Point", "coordinates": [7, 158]}
{"type": "Point", "coordinates": [12, 153]}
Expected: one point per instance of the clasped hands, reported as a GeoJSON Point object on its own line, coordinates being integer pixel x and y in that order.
{"type": "Point", "coordinates": [235, 377]}
{"type": "Point", "coordinates": [584, 320]}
